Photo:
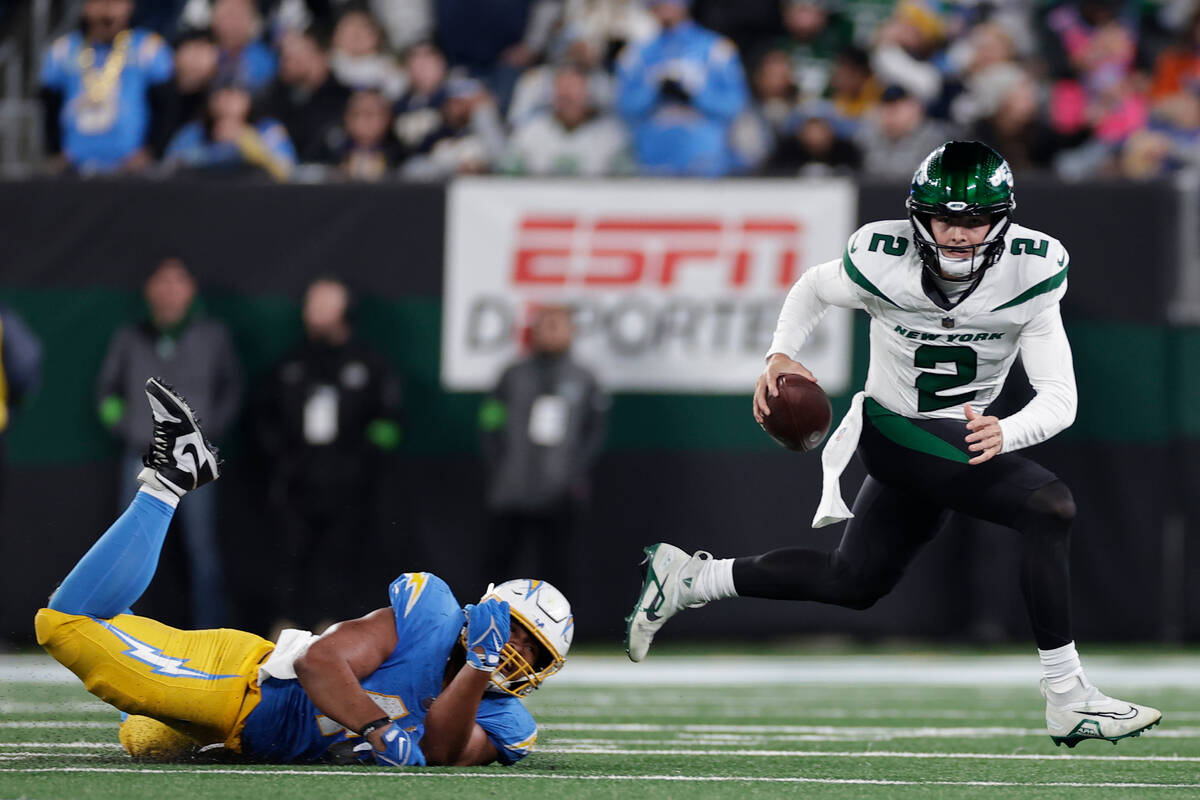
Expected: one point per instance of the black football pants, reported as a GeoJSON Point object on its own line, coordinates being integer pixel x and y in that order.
{"type": "Point", "coordinates": [905, 500]}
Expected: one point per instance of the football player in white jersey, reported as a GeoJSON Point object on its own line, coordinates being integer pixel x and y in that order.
{"type": "Point", "coordinates": [954, 293]}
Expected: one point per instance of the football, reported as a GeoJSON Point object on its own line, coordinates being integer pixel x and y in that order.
{"type": "Point", "coordinates": [800, 414]}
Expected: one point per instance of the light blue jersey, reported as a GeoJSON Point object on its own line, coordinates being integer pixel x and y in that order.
{"type": "Point", "coordinates": [287, 727]}
{"type": "Point", "coordinates": [104, 126]}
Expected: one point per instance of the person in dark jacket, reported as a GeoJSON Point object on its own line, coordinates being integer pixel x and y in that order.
{"type": "Point", "coordinates": [195, 355]}
{"type": "Point", "coordinates": [306, 97]}
{"type": "Point", "coordinates": [543, 427]}
{"type": "Point", "coordinates": [326, 414]}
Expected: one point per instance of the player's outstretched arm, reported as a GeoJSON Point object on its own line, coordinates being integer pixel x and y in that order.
{"type": "Point", "coordinates": [452, 736]}
{"type": "Point", "coordinates": [334, 666]}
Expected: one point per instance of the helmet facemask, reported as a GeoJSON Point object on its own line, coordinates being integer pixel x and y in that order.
{"type": "Point", "coordinates": [544, 613]}
{"type": "Point", "coordinates": [949, 261]}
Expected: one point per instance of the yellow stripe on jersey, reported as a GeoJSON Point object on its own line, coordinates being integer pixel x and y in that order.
{"type": "Point", "coordinates": [201, 683]}
{"type": "Point", "coordinates": [524, 747]}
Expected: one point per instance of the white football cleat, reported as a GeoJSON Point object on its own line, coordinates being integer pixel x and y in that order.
{"type": "Point", "coordinates": [1084, 712]}
{"type": "Point", "coordinates": [667, 575]}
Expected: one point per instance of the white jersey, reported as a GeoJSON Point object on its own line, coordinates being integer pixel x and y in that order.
{"type": "Point", "coordinates": [928, 362]}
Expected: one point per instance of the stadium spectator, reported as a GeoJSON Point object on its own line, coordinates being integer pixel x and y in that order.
{"type": "Point", "coordinates": [1012, 122]}
{"type": "Point", "coordinates": [306, 97]}
{"type": "Point", "coordinates": [406, 22]}
{"type": "Point", "coordinates": [814, 146]}
{"type": "Point", "coordinates": [680, 93]}
{"type": "Point", "coordinates": [543, 426]}
{"type": "Point", "coordinates": [195, 71]}
{"type": "Point", "coordinates": [571, 138]}
{"type": "Point", "coordinates": [195, 354]}
{"type": "Point", "coordinates": [534, 92]}
{"type": "Point", "coordinates": [776, 95]}
{"type": "Point", "coordinates": [230, 139]}
{"type": "Point", "coordinates": [853, 89]}
{"type": "Point", "coordinates": [366, 149]}
{"type": "Point", "coordinates": [497, 40]}
{"type": "Point", "coordinates": [989, 61]}
{"type": "Point", "coordinates": [360, 59]}
{"type": "Point", "coordinates": [242, 56]}
{"type": "Point", "coordinates": [324, 416]}
{"type": "Point", "coordinates": [816, 33]}
{"type": "Point", "coordinates": [20, 373]}
{"type": "Point", "coordinates": [1170, 141]}
{"type": "Point", "coordinates": [904, 48]}
{"type": "Point", "coordinates": [898, 135]}
{"type": "Point", "coordinates": [1177, 69]}
{"type": "Point", "coordinates": [418, 112]}
{"type": "Point", "coordinates": [469, 138]}
{"type": "Point", "coordinates": [608, 25]}
{"type": "Point", "coordinates": [1102, 95]}
{"type": "Point", "coordinates": [101, 89]}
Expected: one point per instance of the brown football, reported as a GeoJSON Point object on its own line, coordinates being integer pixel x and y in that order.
{"type": "Point", "coordinates": [800, 415]}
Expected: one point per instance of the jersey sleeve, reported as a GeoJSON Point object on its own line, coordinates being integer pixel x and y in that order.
{"type": "Point", "coordinates": [509, 726]}
{"type": "Point", "coordinates": [1046, 355]}
{"type": "Point", "coordinates": [54, 64]}
{"type": "Point", "coordinates": [154, 56]}
{"type": "Point", "coordinates": [810, 297]}
{"type": "Point", "coordinates": [425, 609]}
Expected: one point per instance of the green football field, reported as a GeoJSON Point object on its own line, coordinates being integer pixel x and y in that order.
{"type": "Point", "coordinates": [689, 725]}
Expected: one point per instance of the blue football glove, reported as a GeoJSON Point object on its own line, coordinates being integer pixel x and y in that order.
{"type": "Point", "coordinates": [487, 633]}
{"type": "Point", "coordinates": [402, 748]}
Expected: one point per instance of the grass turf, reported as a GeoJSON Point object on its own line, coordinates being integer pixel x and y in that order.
{"type": "Point", "coordinates": [892, 734]}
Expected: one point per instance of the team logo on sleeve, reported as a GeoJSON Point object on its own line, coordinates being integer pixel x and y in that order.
{"type": "Point", "coordinates": [414, 583]}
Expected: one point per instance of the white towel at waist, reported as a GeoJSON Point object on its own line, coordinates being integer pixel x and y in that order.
{"type": "Point", "coordinates": [837, 453]}
{"type": "Point", "coordinates": [292, 644]}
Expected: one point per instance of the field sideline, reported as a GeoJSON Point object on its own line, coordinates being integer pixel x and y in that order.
{"type": "Point", "coordinates": [894, 725]}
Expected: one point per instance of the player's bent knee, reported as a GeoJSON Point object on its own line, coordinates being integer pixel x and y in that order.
{"type": "Point", "coordinates": [1054, 501]}
{"type": "Point", "coordinates": [147, 739]}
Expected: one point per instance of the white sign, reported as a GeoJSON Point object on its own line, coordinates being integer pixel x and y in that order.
{"type": "Point", "coordinates": [676, 285]}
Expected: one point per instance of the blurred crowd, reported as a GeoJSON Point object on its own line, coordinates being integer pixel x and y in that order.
{"type": "Point", "coordinates": [425, 89]}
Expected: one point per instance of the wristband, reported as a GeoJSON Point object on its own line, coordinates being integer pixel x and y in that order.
{"type": "Point", "coordinates": [382, 722]}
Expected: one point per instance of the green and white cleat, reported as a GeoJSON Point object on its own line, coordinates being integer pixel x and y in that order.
{"type": "Point", "coordinates": [1084, 712]}
{"type": "Point", "coordinates": [667, 575]}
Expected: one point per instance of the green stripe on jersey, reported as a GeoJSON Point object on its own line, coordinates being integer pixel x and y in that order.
{"type": "Point", "coordinates": [903, 432]}
{"type": "Point", "coordinates": [1048, 285]}
{"type": "Point", "coordinates": [861, 279]}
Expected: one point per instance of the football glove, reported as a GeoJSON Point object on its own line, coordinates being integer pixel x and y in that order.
{"type": "Point", "coordinates": [487, 633]}
{"type": "Point", "coordinates": [401, 748]}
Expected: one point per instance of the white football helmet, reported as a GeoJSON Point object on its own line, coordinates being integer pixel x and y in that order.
{"type": "Point", "coordinates": [544, 612]}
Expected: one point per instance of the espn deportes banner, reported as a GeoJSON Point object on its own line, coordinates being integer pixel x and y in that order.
{"type": "Point", "coordinates": [675, 285]}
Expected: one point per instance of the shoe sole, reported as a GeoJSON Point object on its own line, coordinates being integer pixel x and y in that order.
{"type": "Point", "coordinates": [648, 580]}
{"type": "Point", "coordinates": [1071, 741]}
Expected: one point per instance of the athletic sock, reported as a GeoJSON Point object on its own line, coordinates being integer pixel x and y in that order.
{"type": "Point", "coordinates": [1061, 667]}
{"type": "Point", "coordinates": [115, 572]}
{"type": "Point", "coordinates": [714, 581]}
{"type": "Point", "coordinates": [165, 495]}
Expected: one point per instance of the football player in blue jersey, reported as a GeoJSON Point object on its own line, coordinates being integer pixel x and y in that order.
{"type": "Point", "coordinates": [421, 681]}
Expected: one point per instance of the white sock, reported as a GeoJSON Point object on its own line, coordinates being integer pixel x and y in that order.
{"type": "Point", "coordinates": [714, 581]}
{"type": "Point", "coordinates": [166, 495]}
{"type": "Point", "coordinates": [1060, 667]}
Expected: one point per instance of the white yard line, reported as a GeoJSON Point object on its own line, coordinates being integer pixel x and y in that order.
{"type": "Point", "coordinates": [865, 754]}
{"type": "Point", "coordinates": [1002, 671]}
{"type": "Point", "coordinates": [492, 776]}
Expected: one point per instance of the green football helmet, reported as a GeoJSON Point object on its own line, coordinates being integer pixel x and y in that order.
{"type": "Point", "coordinates": [959, 181]}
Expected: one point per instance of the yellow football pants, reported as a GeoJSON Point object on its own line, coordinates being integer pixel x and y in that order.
{"type": "Point", "coordinates": [200, 683]}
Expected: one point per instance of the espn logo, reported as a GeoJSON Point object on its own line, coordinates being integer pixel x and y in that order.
{"type": "Point", "coordinates": [622, 251]}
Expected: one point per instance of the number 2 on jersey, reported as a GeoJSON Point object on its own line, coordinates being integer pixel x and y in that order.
{"type": "Point", "coordinates": [929, 356]}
